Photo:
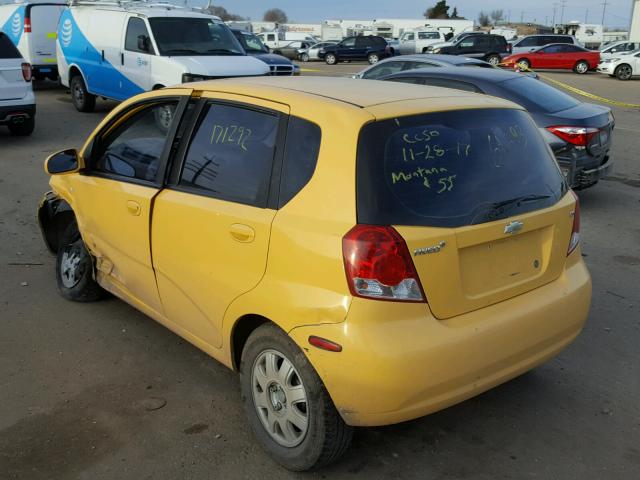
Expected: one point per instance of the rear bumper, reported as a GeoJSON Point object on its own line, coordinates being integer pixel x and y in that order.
{"type": "Point", "coordinates": [399, 363]}
{"type": "Point", "coordinates": [580, 177]}
{"type": "Point", "coordinates": [11, 113]}
{"type": "Point", "coordinates": [45, 70]}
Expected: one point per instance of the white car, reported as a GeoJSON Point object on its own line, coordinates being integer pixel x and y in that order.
{"type": "Point", "coordinates": [116, 52]}
{"type": "Point", "coordinates": [418, 41]}
{"type": "Point", "coordinates": [17, 102]}
{"type": "Point", "coordinates": [624, 66]}
{"type": "Point", "coordinates": [614, 49]}
{"type": "Point", "coordinates": [311, 53]}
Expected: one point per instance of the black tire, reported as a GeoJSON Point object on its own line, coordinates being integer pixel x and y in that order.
{"type": "Point", "coordinates": [623, 72]}
{"type": "Point", "coordinates": [523, 62]}
{"type": "Point", "coordinates": [327, 436]}
{"type": "Point", "coordinates": [304, 57]}
{"type": "Point", "coordinates": [494, 59]}
{"type": "Point", "coordinates": [22, 129]}
{"type": "Point", "coordinates": [76, 282]}
{"type": "Point", "coordinates": [373, 58]}
{"type": "Point", "coordinates": [581, 67]}
{"type": "Point", "coordinates": [80, 96]}
{"type": "Point", "coordinates": [330, 59]}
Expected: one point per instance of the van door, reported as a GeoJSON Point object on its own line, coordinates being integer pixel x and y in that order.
{"type": "Point", "coordinates": [212, 225]}
{"type": "Point", "coordinates": [137, 54]}
{"type": "Point", "coordinates": [42, 38]}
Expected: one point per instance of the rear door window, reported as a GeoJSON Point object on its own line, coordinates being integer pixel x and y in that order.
{"type": "Point", "coordinates": [383, 69]}
{"type": "Point", "coordinates": [7, 48]}
{"type": "Point", "coordinates": [451, 169]}
{"type": "Point", "coordinates": [231, 154]}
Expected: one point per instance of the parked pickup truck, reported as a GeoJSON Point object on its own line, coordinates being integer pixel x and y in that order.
{"type": "Point", "coordinates": [418, 41]}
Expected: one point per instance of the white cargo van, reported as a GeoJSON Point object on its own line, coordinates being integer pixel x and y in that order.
{"type": "Point", "coordinates": [32, 26]}
{"type": "Point", "coordinates": [117, 50]}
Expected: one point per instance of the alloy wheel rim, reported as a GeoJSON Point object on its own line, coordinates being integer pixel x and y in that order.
{"type": "Point", "coordinates": [625, 72]}
{"type": "Point", "coordinates": [494, 60]}
{"type": "Point", "coordinates": [78, 93]}
{"type": "Point", "coordinates": [373, 59]}
{"type": "Point", "coordinates": [280, 398]}
{"type": "Point", "coordinates": [582, 67]}
{"type": "Point", "coordinates": [70, 268]}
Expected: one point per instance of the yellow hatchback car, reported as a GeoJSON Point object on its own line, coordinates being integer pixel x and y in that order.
{"type": "Point", "coordinates": [362, 255]}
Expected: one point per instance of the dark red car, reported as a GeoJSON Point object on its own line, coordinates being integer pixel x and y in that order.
{"type": "Point", "coordinates": [555, 56]}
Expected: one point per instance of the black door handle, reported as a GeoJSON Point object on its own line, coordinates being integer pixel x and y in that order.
{"type": "Point", "coordinates": [121, 58]}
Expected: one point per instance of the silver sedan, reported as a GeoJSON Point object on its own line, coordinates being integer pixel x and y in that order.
{"type": "Point", "coordinates": [311, 53]}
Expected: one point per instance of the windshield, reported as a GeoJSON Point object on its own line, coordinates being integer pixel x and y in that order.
{"type": "Point", "coordinates": [536, 95]}
{"type": "Point", "coordinates": [251, 43]}
{"type": "Point", "coordinates": [184, 36]}
{"type": "Point", "coordinates": [451, 169]}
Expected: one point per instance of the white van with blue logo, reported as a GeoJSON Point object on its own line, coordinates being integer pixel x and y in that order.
{"type": "Point", "coordinates": [32, 26]}
{"type": "Point", "coordinates": [117, 50]}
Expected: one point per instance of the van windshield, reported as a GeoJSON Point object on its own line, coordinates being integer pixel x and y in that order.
{"type": "Point", "coordinates": [184, 36]}
{"type": "Point", "coordinates": [452, 169]}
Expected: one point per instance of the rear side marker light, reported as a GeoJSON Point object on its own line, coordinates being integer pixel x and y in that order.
{"type": "Point", "coordinates": [580, 136]}
{"type": "Point", "coordinates": [324, 344]}
{"type": "Point", "coordinates": [378, 265]}
{"type": "Point", "coordinates": [575, 231]}
{"type": "Point", "coordinates": [26, 72]}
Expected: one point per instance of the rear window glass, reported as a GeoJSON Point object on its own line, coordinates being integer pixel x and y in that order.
{"type": "Point", "coordinates": [451, 169]}
{"type": "Point", "coordinates": [7, 48]}
{"type": "Point", "coordinates": [536, 95]}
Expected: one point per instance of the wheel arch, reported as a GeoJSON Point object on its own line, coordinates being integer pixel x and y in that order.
{"type": "Point", "coordinates": [75, 70]}
{"type": "Point", "coordinates": [240, 332]}
{"type": "Point", "coordinates": [54, 215]}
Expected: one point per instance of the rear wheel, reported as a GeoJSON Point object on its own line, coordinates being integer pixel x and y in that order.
{"type": "Point", "coordinates": [624, 72]}
{"type": "Point", "coordinates": [287, 405]}
{"type": "Point", "coordinates": [373, 58]}
{"type": "Point", "coordinates": [80, 96]}
{"type": "Point", "coordinates": [494, 59]}
{"type": "Point", "coordinates": [24, 128]}
{"type": "Point", "coordinates": [330, 59]}
{"type": "Point", "coordinates": [581, 67]}
{"type": "Point", "coordinates": [74, 268]}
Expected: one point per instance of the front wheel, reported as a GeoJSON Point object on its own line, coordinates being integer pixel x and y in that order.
{"type": "Point", "coordinates": [287, 406]}
{"type": "Point", "coordinates": [330, 59]}
{"type": "Point", "coordinates": [74, 269]}
{"type": "Point", "coordinates": [581, 67]}
{"type": "Point", "coordinates": [373, 58]}
{"type": "Point", "coordinates": [494, 60]}
{"type": "Point", "coordinates": [624, 72]}
{"type": "Point", "coordinates": [304, 57]}
{"type": "Point", "coordinates": [82, 99]}
{"type": "Point", "coordinates": [523, 64]}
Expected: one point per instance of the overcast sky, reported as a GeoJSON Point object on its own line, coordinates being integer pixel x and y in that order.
{"type": "Point", "coordinates": [314, 11]}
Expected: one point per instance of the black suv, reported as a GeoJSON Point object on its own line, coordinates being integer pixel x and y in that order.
{"type": "Point", "coordinates": [490, 48]}
{"type": "Point", "coordinates": [370, 47]}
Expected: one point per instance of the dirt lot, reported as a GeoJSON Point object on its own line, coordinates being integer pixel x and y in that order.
{"type": "Point", "coordinates": [99, 391]}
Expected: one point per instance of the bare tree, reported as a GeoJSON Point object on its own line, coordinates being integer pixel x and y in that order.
{"type": "Point", "coordinates": [483, 19]}
{"type": "Point", "coordinates": [222, 13]}
{"type": "Point", "coordinates": [275, 15]}
{"type": "Point", "coordinates": [497, 16]}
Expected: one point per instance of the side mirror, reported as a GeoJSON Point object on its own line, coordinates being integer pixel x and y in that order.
{"type": "Point", "coordinates": [143, 43]}
{"type": "Point", "coordinates": [65, 161]}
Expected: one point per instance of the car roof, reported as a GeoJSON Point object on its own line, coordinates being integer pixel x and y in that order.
{"type": "Point", "coordinates": [429, 57]}
{"type": "Point", "coordinates": [350, 92]}
{"type": "Point", "coordinates": [492, 75]}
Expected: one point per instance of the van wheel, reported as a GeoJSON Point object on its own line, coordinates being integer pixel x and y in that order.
{"type": "Point", "coordinates": [82, 99]}
{"type": "Point", "coordinates": [74, 268]}
{"type": "Point", "coordinates": [623, 72]}
{"type": "Point", "coordinates": [288, 408]}
{"type": "Point", "coordinates": [330, 59]}
{"type": "Point", "coordinates": [22, 129]}
{"type": "Point", "coordinates": [494, 60]}
{"type": "Point", "coordinates": [373, 58]}
{"type": "Point", "coordinates": [581, 67]}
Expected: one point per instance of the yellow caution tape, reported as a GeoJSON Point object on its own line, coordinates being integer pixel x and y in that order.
{"type": "Point", "coordinates": [49, 60]}
{"type": "Point", "coordinates": [582, 92]}
{"type": "Point", "coordinates": [309, 70]}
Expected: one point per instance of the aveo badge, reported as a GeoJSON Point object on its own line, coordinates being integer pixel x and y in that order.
{"type": "Point", "coordinates": [66, 32]}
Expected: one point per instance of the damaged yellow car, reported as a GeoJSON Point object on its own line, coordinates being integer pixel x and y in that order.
{"type": "Point", "coordinates": [362, 255]}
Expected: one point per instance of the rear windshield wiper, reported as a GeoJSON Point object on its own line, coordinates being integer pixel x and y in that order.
{"type": "Point", "coordinates": [498, 208]}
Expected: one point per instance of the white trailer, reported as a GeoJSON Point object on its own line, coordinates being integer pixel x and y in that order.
{"type": "Point", "coordinates": [446, 25]}
{"type": "Point", "coordinates": [588, 34]}
{"type": "Point", "coordinates": [331, 33]}
{"type": "Point", "coordinates": [32, 27]}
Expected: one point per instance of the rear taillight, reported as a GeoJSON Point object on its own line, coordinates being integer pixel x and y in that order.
{"type": "Point", "coordinates": [26, 72]}
{"type": "Point", "coordinates": [580, 136]}
{"type": "Point", "coordinates": [378, 264]}
{"type": "Point", "coordinates": [509, 48]}
{"type": "Point", "coordinates": [575, 232]}
{"type": "Point", "coordinates": [27, 25]}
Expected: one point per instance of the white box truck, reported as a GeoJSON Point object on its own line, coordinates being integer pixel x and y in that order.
{"type": "Point", "coordinates": [32, 27]}
{"type": "Point", "coordinates": [117, 50]}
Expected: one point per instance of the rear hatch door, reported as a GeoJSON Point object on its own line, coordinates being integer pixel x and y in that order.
{"type": "Point", "coordinates": [478, 198]}
{"type": "Point", "coordinates": [12, 84]}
